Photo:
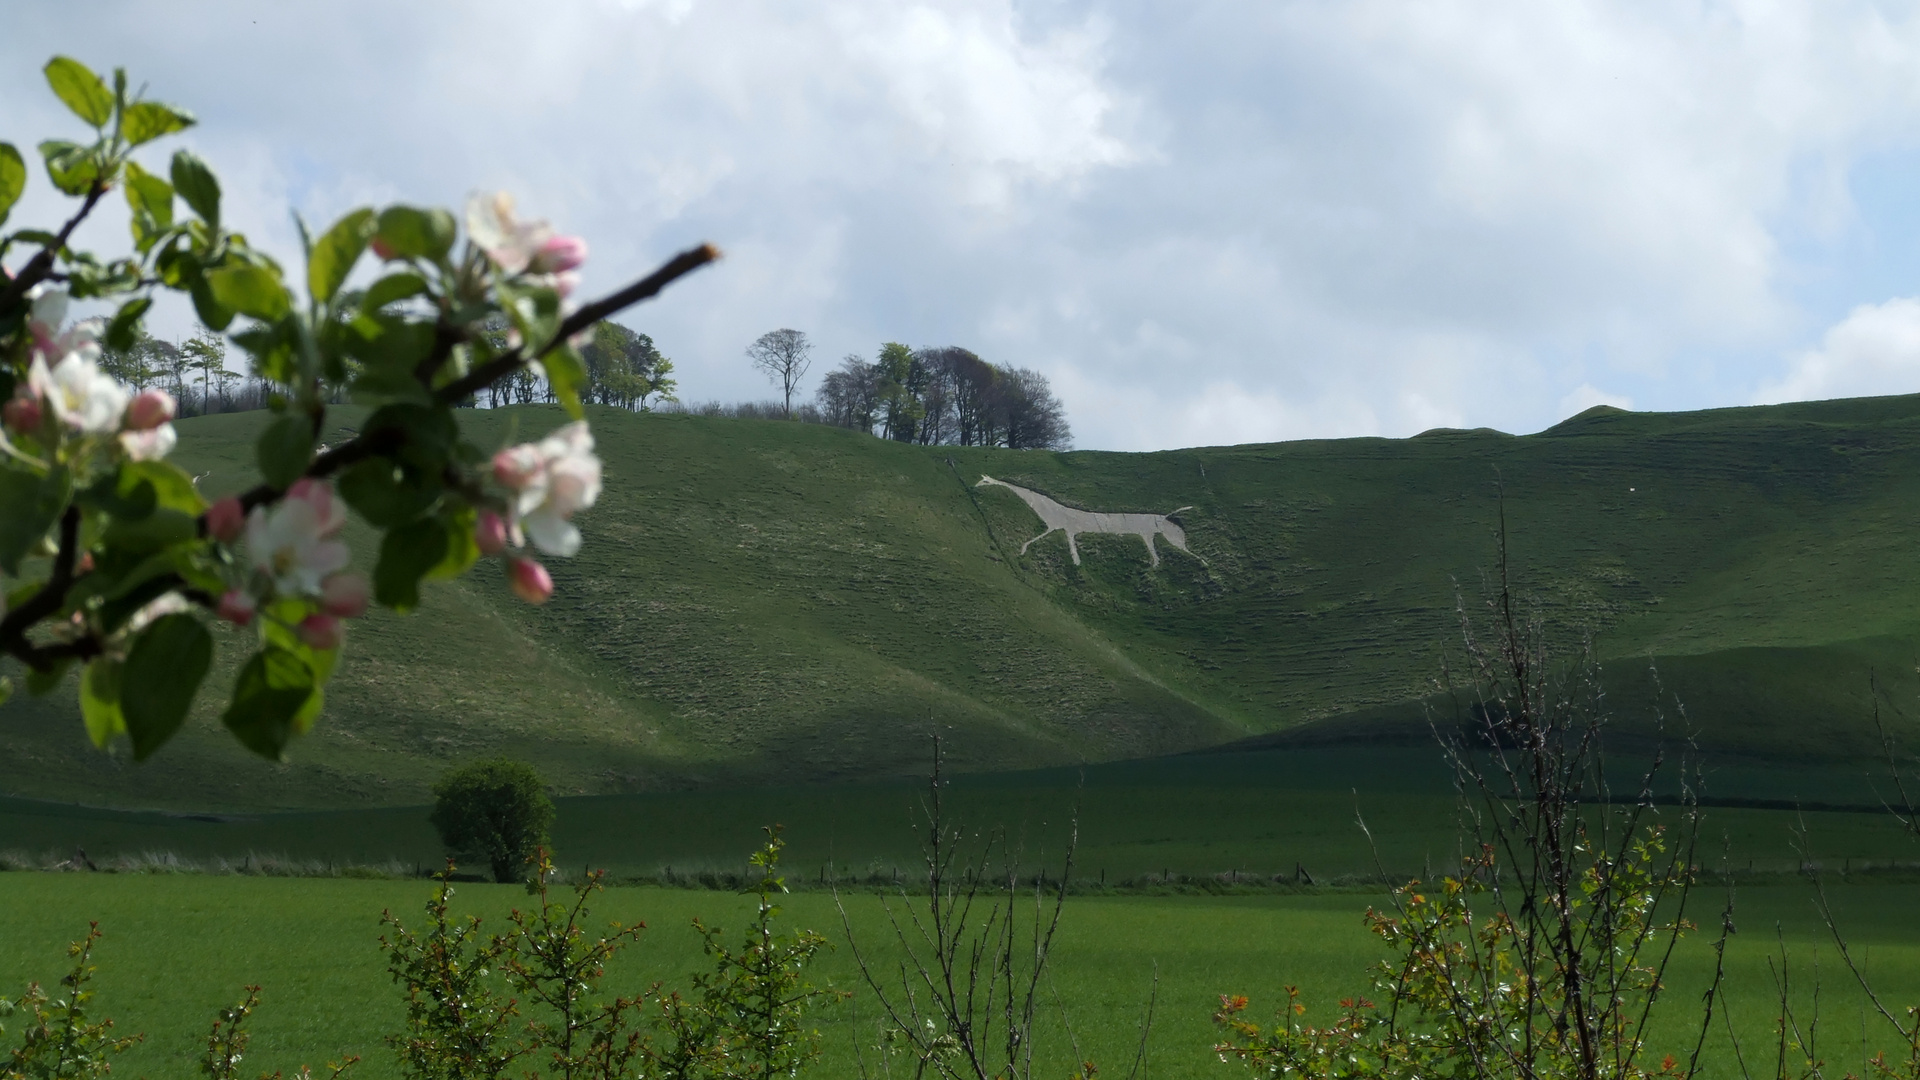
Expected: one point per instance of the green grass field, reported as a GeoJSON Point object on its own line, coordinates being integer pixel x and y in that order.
{"type": "Point", "coordinates": [178, 948]}
{"type": "Point", "coordinates": [782, 604]}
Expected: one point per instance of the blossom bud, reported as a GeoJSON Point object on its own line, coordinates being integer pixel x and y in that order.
{"type": "Point", "coordinates": [345, 594]}
{"type": "Point", "coordinates": [23, 414]}
{"type": "Point", "coordinates": [150, 409]}
{"type": "Point", "coordinates": [383, 250]}
{"type": "Point", "coordinates": [559, 254]}
{"type": "Point", "coordinates": [530, 580]}
{"type": "Point", "coordinates": [84, 564]}
{"type": "Point", "coordinates": [490, 533]}
{"type": "Point", "coordinates": [236, 607]}
{"type": "Point", "coordinates": [225, 519]}
{"type": "Point", "coordinates": [321, 631]}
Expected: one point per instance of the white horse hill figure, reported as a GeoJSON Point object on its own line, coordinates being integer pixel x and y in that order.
{"type": "Point", "coordinates": [1070, 521]}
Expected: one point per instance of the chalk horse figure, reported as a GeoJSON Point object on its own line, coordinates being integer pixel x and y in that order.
{"type": "Point", "coordinates": [1058, 518]}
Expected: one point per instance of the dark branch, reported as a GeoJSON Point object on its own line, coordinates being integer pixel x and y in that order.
{"type": "Point", "coordinates": [41, 265]}
{"type": "Point", "coordinates": [13, 628]}
{"type": "Point", "coordinates": [498, 368]}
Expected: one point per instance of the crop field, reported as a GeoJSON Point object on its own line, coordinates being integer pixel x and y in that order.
{"type": "Point", "coordinates": [179, 947]}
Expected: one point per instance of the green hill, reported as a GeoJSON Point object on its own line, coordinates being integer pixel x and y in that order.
{"type": "Point", "coordinates": [781, 603]}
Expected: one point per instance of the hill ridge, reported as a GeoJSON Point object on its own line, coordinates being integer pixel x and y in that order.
{"type": "Point", "coordinates": [768, 602]}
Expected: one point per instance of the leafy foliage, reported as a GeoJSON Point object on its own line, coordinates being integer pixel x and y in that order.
{"type": "Point", "coordinates": [58, 1040]}
{"type": "Point", "coordinates": [746, 1020]}
{"type": "Point", "coordinates": [494, 810]}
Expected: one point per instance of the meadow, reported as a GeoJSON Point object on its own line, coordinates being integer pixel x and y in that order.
{"type": "Point", "coordinates": [178, 948]}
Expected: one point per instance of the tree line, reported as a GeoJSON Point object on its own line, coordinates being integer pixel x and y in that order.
{"type": "Point", "coordinates": [624, 369]}
{"type": "Point", "coordinates": [933, 396]}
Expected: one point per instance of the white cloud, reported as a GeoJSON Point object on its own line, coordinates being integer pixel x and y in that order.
{"type": "Point", "coordinates": [1586, 396]}
{"type": "Point", "coordinates": [1376, 216]}
{"type": "Point", "coordinates": [1874, 350]}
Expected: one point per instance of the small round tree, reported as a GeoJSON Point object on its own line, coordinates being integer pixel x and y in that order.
{"type": "Point", "coordinates": [496, 810]}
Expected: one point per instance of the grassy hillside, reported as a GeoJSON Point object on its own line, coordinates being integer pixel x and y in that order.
{"type": "Point", "coordinates": [776, 603]}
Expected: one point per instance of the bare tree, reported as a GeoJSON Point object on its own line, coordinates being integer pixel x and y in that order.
{"type": "Point", "coordinates": [1034, 418]}
{"type": "Point", "coordinates": [849, 396]}
{"type": "Point", "coordinates": [784, 355]}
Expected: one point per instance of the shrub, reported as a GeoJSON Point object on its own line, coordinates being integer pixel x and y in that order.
{"type": "Point", "coordinates": [494, 810]}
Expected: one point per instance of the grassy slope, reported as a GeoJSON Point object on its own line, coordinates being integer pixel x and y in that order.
{"type": "Point", "coordinates": [782, 603]}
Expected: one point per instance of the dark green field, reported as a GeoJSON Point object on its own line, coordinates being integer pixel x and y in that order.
{"type": "Point", "coordinates": [178, 948]}
{"type": "Point", "coordinates": [1243, 815]}
{"type": "Point", "coordinates": [783, 604]}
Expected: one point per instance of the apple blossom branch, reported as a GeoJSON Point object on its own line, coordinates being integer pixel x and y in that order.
{"type": "Point", "coordinates": [40, 266]}
{"type": "Point", "coordinates": [646, 288]}
{"type": "Point", "coordinates": [52, 595]}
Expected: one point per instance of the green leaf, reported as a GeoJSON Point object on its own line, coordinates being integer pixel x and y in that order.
{"type": "Point", "coordinates": [274, 699]}
{"type": "Point", "coordinates": [281, 630]}
{"type": "Point", "coordinates": [567, 374]}
{"type": "Point", "coordinates": [6, 689]}
{"type": "Point", "coordinates": [284, 450]}
{"type": "Point", "coordinates": [196, 184]}
{"type": "Point", "coordinates": [100, 701]}
{"type": "Point", "coordinates": [408, 554]}
{"type": "Point", "coordinates": [118, 497]}
{"type": "Point", "coordinates": [250, 290]}
{"type": "Point", "coordinates": [154, 532]}
{"type": "Point", "coordinates": [145, 121]}
{"type": "Point", "coordinates": [387, 494]}
{"type": "Point", "coordinates": [172, 486]}
{"type": "Point", "coordinates": [151, 200]}
{"type": "Point", "coordinates": [33, 503]}
{"type": "Point", "coordinates": [13, 179]}
{"type": "Point", "coordinates": [416, 234]}
{"type": "Point", "coordinates": [123, 330]}
{"type": "Point", "coordinates": [215, 315]}
{"type": "Point", "coordinates": [333, 257]}
{"type": "Point", "coordinates": [41, 683]}
{"type": "Point", "coordinates": [162, 674]}
{"type": "Point", "coordinates": [72, 167]}
{"type": "Point", "coordinates": [463, 548]}
{"type": "Point", "coordinates": [392, 288]}
{"type": "Point", "coordinates": [83, 91]}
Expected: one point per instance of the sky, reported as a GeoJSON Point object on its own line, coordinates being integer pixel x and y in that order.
{"type": "Point", "coordinates": [1206, 222]}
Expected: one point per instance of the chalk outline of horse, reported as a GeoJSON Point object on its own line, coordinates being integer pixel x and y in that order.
{"type": "Point", "coordinates": [1059, 518]}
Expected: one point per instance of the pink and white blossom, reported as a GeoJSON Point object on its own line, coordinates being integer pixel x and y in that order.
{"type": "Point", "coordinates": [490, 533]}
{"type": "Point", "coordinates": [79, 394]}
{"type": "Point", "coordinates": [559, 254]}
{"type": "Point", "coordinates": [524, 247]}
{"type": "Point", "coordinates": [64, 372]}
{"type": "Point", "coordinates": [294, 544]}
{"type": "Point", "coordinates": [346, 594]}
{"type": "Point", "coordinates": [23, 414]}
{"type": "Point", "coordinates": [236, 607]}
{"type": "Point", "coordinates": [529, 580]}
{"type": "Point", "coordinates": [149, 409]}
{"type": "Point", "coordinates": [509, 242]}
{"type": "Point", "coordinates": [149, 445]}
{"type": "Point", "coordinates": [321, 631]}
{"type": "Point", "coordinates": [551, 480]}
{"type": "Point", "coordinates": [225, 520]}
